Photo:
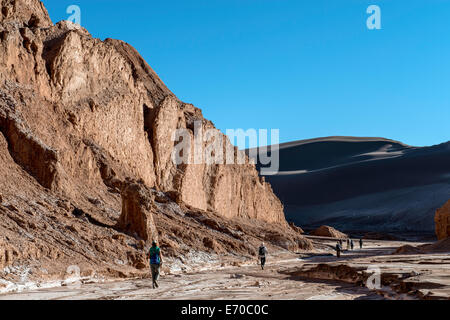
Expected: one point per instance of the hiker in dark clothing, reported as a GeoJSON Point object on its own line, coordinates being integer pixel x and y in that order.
{"type": "Point", "coordinates": [262, 251]}
{"type": "Point", "coordinates": [360, 243]}
{"type": "Point", "coordinates": [155, 263]}
{"type": "Point", "coordinates": [338, 250]}
{"type": "Point", "coordinates": [351, 244]}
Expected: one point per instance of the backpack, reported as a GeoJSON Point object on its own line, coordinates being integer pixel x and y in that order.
{"type": "Point", "coordinates": [262, 251]}
{"type": "Point", "coordinates": [154, 255]}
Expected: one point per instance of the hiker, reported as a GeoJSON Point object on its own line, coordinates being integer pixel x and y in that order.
{"type": "Point", "coordinates": [155, 263]}
{"type": "Point", "coordinates": [360, 243]}
{"type": "Point", "coordinates": [262, 255]}
{"type": "Point", "coordinates": [338, 249]}
{"type": "Point", "coordinates": [351, 244]}
{"type": "Point", "coordinates": [348, 244]}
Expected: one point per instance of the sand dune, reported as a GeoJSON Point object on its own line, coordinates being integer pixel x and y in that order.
{"type": "Point", "coordinates": [362, 183]}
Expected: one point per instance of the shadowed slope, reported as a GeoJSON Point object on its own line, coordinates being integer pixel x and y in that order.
{"type": "Point", "coordinates": [362, 183]}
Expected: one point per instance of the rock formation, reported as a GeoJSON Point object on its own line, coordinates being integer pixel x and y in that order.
{"type": "Point", "coordinates": [84, 89]}
{"type": "Point", "coordinates": [437, 247]}
{"type": "Point", "coordinates": [28, 13]}
{"type": "Point", "coordinates": [137, 216]}
{"type": "Point", "coordinates": [81, 120]}
{"type": "Point", "coordinates": [326, 231]}
{"type": "Point", "coordinates": [442, 220]}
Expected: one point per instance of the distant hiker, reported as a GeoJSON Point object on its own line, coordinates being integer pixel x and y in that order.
{"type": "Point", "coordinates": [348, 244]}
{"type": "Point", "coordinates": [360, 243]}
{"type": "Point", "coordinates": [338, 249]}
{"type": "Point", "coordinates": [155, 263]}
{"type": "Point", "coordinates": [262, 251]}
{"type": "Point", "coordinates": [351, 244]}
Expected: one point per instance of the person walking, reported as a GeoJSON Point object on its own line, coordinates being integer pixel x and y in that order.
{"type": "Point", "coordinates": [155, 263]}
{"type": "Point", "coordinates": [338, 250]}
{"type": "Point", "coordinates": [351, 244]}
{"type": "Point", "coordinates": [262, 252]}
{"type": "Point", "coordinates": [361, 243]}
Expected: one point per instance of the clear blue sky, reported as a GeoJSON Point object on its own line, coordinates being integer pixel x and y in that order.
{"type": "Point", "coordinates": [310, 68]}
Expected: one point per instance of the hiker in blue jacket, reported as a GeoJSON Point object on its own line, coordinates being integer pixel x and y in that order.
{"type": "Point", "coordinates": [155, 263]}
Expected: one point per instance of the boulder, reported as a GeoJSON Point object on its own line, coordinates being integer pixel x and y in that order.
{"type": "Point", "coordinates": [442, 246]}
{"type": "Point", "coordinates": [408, 249]}
{"type": "Point", "coordinates": [442, 220]}
{"type": "Point", "coordinates": [296, 228]}
{"type": "Point", "coordinates": [326, 231]}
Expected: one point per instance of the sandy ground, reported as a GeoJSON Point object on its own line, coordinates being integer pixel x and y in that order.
{"type": "Point", "coordinates": [428, 274]}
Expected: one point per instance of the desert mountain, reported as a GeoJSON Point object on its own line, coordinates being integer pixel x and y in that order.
{"type": "Point", "coordinates": [87, 176]}
{"type": "Point", "coordinates": [367, 184]}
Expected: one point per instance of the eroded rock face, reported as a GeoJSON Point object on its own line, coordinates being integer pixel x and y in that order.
{"type": "Point", "coordinates": [85, 145]}
{"type": "Point", "coordinates": [137, 218]}
{"type": "Point", "coordinates": [84, 89]}
{"type": "Point", "coordinates": [31, 13]}
{"type": "Point", "coordinates": [442, 220]}
{"type": "Point", "coordinates": [40, 160]}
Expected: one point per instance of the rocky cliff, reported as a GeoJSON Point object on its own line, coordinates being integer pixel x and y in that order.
{"type": "Point", "coordinates": [67, 93]}
{"type": "Point", "coordinates": [442, 220]}
{"type": "Point", "coordinates": [86, 153]}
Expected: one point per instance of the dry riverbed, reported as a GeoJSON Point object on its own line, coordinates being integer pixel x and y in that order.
{"type": "Point", "coordinates": [302, 276]}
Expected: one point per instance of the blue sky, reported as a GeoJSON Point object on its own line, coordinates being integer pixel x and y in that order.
{"type": "Point", "coordinates": [308, 68]}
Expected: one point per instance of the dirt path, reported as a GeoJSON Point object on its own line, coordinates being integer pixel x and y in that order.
{"type": "Point", "coordinates": [276, 282]}
{"type": "Point", "coordinates": [233, 283]}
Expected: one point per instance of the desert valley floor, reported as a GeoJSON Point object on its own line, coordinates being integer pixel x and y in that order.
{"type": "Point", "coordinates": [315, 276]}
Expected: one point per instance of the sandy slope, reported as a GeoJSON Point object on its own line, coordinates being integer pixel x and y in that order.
{"type": "Point", "coordinates": [362, 183]}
